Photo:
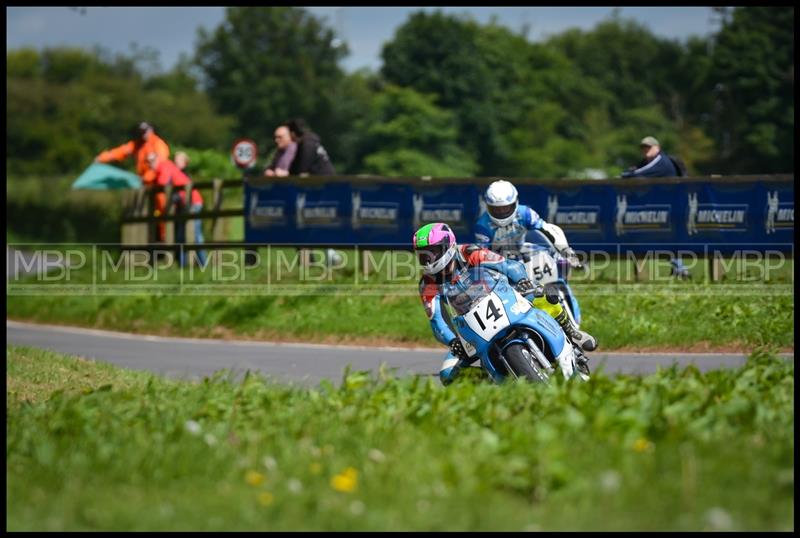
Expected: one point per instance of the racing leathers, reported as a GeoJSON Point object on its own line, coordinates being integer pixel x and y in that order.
{"type": "Point", "coordinates": [509, 239]}
{"type": "Point", "coordinates": [431, 293]}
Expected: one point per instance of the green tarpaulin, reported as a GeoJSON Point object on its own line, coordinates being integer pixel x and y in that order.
{"type": "Point", "coordinates": [100, 176]}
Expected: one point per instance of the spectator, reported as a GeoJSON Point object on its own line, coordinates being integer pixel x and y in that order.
{"type": "Point", "coordinates": [311, 157]}
{"type": "Point", "coordinates": [287, 149]}
{"type": "Point", "coordinates": [655, 163]}
{"type": "Point", "coordinates": [172, 173]}
{"type": "Point", "coordinates": [196, 206]}
{"type": "Point", "coordinates": [144, 142]}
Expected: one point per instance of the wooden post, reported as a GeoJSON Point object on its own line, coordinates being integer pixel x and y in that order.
{"type": "Point", "coordinates": [365, 263]}
{"type": "Point", "coordinates": [152, 227]}
{"type": "Point", "coordinates": [638, 267]}
{"type": "Point", "coordinates": [216, 229]}
{"type": "Point", "coordinates": [715, 268]}
{"type": "Point", "coordinates": [140, 229]}
{"type": "Point", "coordinates": [305, 257]}
{"type": "Point", "coordinates": [128, 207]}
{"type": "Point", "coordinates": [169, 226]}
{"type": "Point", "coordinates": [188, 225]}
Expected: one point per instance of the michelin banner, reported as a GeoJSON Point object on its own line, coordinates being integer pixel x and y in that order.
{"type": "Point", "coordinates": [637, 215]}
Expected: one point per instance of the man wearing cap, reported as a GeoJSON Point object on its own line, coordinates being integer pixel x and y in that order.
{"type": "Point", "coordinates": [145, 141]}
{"type": "Point", "coordinates": [655, 163]}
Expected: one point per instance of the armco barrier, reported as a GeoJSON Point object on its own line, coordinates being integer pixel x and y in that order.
{"type": "Point", "coordinates": [704, 215]}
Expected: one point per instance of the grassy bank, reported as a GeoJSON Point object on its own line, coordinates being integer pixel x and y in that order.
{"type": "Point", "coordinates": [92, 447]}
{"type": "Point", "coordinates": [276, 299]}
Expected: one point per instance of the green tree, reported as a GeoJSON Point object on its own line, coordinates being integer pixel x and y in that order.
{"type": "Point", "coordinates": [442, 55]}
{"type": "Point", "coordinates": [752, 80]}
{"type": "Point", "coordinates": [408, 135]}
{"type": "Point", "coordinates": [353, 97]}
{"type": "Point", "coordinates": [542, 152]}
{"type": "Point", "coordinates": [497, 83]}
{"type": "Point", "coordinates": [626, 59]}
{"type": "Point", "coordinates": [647, 86]}
{"type": "Point", "coordinates": [263, 65]}
{"type": "Point", "coordinates": [64, 105]}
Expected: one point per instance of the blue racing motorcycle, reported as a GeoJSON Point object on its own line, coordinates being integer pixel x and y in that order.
{"type": "Point", "coordinates": [496, 324]}
{"type": "Point", "coordinates": [545, 266]}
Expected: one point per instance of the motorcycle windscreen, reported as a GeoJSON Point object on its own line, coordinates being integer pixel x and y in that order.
{"type": "Point", "coordinates": [468, 287]}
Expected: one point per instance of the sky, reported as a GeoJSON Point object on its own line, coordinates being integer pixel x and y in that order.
{"type": "Point", "coordinates": [173, 30]}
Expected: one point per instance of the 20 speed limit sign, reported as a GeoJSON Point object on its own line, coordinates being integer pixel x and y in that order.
{"type": "Point", "coordinates": [244, 153]}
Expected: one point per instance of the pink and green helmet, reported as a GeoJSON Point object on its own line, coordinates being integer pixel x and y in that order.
{"type": "Point", "coordinates": [435, 245]}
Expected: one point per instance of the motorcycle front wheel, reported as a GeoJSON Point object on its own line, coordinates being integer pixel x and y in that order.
{"type": "Point", "coordinates": [523, 364]}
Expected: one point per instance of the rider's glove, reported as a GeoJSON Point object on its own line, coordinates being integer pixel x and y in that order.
{"type": "Point", "coordinates": [571, 257]}
{"type": "Point", "coordinates": [525, 286]}
{"type": "Point", "coordinates": [457, 349]}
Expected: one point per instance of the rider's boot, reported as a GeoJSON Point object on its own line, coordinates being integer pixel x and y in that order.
{"type": "Point", "coordinates": [582, 339]}
{"type": "Point", "coordinates": [551, 304]}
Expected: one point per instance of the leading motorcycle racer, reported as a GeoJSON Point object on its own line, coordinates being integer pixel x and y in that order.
{"type": "Point", "coordinates": [441, 259]}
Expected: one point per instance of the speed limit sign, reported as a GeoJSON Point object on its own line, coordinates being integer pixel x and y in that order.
{"type": "Point", "coordinates": [244, 153]}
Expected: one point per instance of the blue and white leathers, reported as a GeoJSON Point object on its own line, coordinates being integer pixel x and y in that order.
{"type": "Point", "coordinates": [509, 237]}
{"type": "Point", "coordinates": [509, 240]}
{"type": "Point", "coordinates": [431, 293]}
{"type": "Point", "coordinates": [489, 315]}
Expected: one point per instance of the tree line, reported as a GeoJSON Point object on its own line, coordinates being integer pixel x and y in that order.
{"type": "Point", "coordinates": [453, 97]}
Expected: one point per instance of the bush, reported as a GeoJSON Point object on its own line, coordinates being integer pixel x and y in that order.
{"type": "Point", "coordinates": [46, 209]}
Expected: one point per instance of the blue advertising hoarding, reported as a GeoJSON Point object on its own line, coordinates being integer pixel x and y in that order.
{"type": "Point", "coordinates": [638, 215]}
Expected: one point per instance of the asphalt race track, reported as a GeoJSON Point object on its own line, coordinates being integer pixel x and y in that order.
{"type": "Point", "coordinates": [306, 364]}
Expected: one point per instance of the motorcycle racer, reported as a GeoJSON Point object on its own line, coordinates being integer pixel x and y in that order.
{"type": "Point", "coordinates": [505, 223]}
{"type": "Point", "coordinates": [442, 259]}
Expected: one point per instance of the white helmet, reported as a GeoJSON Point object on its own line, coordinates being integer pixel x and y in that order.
{"type": "Point", "coordinates": [501, 201]}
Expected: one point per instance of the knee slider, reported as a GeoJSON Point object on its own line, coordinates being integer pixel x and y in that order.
{"type": "Point", "coordinates": [446, 376]}
{"type": "Point", "coordinates": [551, 294]}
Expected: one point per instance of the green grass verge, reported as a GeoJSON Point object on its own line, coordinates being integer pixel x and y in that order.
{"type": "Point", "coordinates": [691, 315]}
{"type": "Point", "coordinates": [652, 319]}
{"type": "Point", "coordinates": [92, 447]}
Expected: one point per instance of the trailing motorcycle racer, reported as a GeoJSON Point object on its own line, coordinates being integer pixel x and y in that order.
{"type": "Point", "coordinates": [503, 226]}
{"type": "Point", "coordinates": [442, 259]}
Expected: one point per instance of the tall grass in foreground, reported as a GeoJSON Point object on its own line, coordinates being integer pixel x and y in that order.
{"type": "Point", "coordinates": [90, 446]}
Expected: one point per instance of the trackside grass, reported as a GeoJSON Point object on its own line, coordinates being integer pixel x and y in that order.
{"type": "Point", "coordinates": [652, 319]}
{"type": "Point", "coordinates": [93, 447]}
{"type": "Point", "coordinates": [273, 302]}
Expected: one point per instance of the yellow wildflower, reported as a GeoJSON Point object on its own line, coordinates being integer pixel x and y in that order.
{"type": "Point", "coordinates": [643, 445]}
{"type": "Point", "coordinates": [265, 498]}
{"type": "Point", "coordinates": [346, 481]}
{"type": "Point", "coordinates": [254, 478]}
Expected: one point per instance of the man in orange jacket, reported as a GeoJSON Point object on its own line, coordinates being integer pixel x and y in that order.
{"type": "Point", "coordinates": [145, 141]}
